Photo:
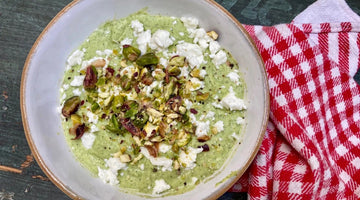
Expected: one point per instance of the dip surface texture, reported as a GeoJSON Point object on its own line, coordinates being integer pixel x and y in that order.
{"type": "Point", "coordinates": [152, 104]}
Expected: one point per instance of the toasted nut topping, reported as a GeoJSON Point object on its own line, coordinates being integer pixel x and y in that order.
{"type": "Point", "coordinates": [213, 35]}
{"type": "Point", "coordinates": [125, 158]}
{"type": "Point", "coordinates": [99, 63]}
{"type": "Point", "coordinates": [203, 138]}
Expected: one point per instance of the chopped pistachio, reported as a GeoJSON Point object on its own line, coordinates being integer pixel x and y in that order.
{"type": "Point", "coordinates": [71, 105]}
{"type": "Point", "coordinates": [131, 53]}
{"type": "Point", "coordinates": [202, 96]}
{"type": "Point", "coordinates": [125, 158]}
{"type": "Point", "coordinates": [174, 71]}
{"type": "Point", "coordinates": [147, 59]}
{"type": "Point", "coordinates": [177, 61]}
{"type": "Point", "coordinates": [213, 35]}
{"type": "Point", "coordinates": [76, 119]}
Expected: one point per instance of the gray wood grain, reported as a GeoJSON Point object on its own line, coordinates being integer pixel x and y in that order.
{"type": "Point", "coordinates": [21, 22]}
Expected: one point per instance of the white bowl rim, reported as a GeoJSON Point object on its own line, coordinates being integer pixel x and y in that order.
{"type": "Point", "coordinates": [55, 180]}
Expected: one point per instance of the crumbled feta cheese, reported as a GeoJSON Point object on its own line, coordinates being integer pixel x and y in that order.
{"type": "Point", "coordinates": [114, 164]}
{"type": "Point", "coordinates": [149, 88]}
{"type": "Point", "coordinates": [163, 148]}
{"type": "Point", "coordinates": [142, 167]}
{"type": "Point", "coordinates": [201, 37]}
{"type": "Point", "coordinates": [106, 52]}
{"type": "Point", "coordinates": [240, 120]}
{"type": "Point", "coordinates": [196, 84]}
{"type": "Point", "coordinates": [217, 105]}
{"type": "Point", "coordinates": [190, 23]}
{"type": "Point", "coordinates": [219, 58]}
{"type": "Point", "coordinates": [194, 180]}
{"type": "Point", "coordinates": [219, 126]}
{"type": "Point", "coordinates": [187, 103]}
{"type": "Point", "coordinates": [66, 86]}
{"type": "Point", "coordinates": [92, 117]}
{"type": "Point", "coordinates": [231, 102]}
{"type": "Point", "coordinates": [107, 176]}
{"type": "Point", "coordinates": [77, 92]}
{"type": "Point", "coordinates": [166, 163]}
{"type": "Point", "coordinates": [214, 47]}
{"type": "Point", "coordinates": [202, 73]}
{"type": "Point", "coordinates": [75, 58]}
{"type": "Point", "coordinates": [174, 22]}
{"type": "Point", "coordinates": [63, 97]}
{"type": "Point", "coordinates": [188, 158]}
{"type": "Point", "coordinates": [110, 175]}
{"type": "Point", "coordinates": [181, 33]}
{"type": "Point", "coordinates": [137, 26]}
{"type": "Point", "coordinates": [210, 115]}
{"type": "Point", "coordinates": [164, 62]}
{"type": "Point", "coordinates": [202, 128]}
{"type": "Point", "coordinates": [126, 41]}
{"type": "Point", "coordinates": [77, 81]}
{"type": "Point", "coordinates": [93, 128]}
{"type": "Point", "coordinates": [234, 77]}
{"type": "Point", "coordinates": [184, 72]}
{"type": "Point", "coordinates": [192, 52]}
{"type": "Point", "coordinates": [160, 186]}
{"type": "Point", "coordinates": [87, 140]}
{"type": "Point", "coordinates": [143, 40]}
{"type": "Point", "coordinates": [160, 40]}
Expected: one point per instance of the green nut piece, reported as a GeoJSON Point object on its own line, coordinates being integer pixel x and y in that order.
{"type": "Point", "coordinates": [177, 61]}
{"type": "Point", "coordinates": [159, 75]}
{"type": "Point", "coordinates": [140, 119]}
{"type": "Point", "coordinates": [131, 53]}
{"type": "Point", "coordinates": [101, 81]}
{"type": "Point", "coordinates": [169, 89]}
{"type": "Point", "coordinates": [133, 110]}
{"type": "Point", "coordinates": [113, 125]}
{"type": "Point", "coordinates": [117, 103]}
{"type": "Point", "coordinates": [202, 96]}
{"type": "Point", "coordinates": [125, 83]}
{"type": "Point", "coordinates": [94, 107]}
{"type": "Point", "coordinates": [174, 71]}
{"type": "Point", "coordinates": [71, 105]}
{"type": "Point", "coordinates": [147, 59]}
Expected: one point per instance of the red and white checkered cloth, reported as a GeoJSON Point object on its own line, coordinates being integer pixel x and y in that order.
{"type": "Point", "coordinates": [311, 149]}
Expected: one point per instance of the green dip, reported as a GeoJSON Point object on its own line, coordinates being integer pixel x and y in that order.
{"type": "Point", "coordinates": [195, 144]}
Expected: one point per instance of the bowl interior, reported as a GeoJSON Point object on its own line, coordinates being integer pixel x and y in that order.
{"type": "Point", "coordinates": [46, 64]}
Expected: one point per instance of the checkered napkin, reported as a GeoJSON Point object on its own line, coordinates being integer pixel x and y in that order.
{"type": "Point", "coordinates": [311, 149]}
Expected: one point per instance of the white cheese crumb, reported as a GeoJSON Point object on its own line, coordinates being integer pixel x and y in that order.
{"type": "Point", "coordinates": [160, 40]}
{"type": "Point", "coordinates": [164, 62]}
{"type": "Point", "coordinates": [160, 186]}
{"type": "Point", "coordinates": [158, 161]}
{"type": "Point", "coordinates": [240, 120]}
{"type": "Point", "coordinates": [234, 77]}
{"type": "Point", "coordinates": [66, 86]}
{"type": "Point", "coordinates": [219, 126]}
{"type": "Point", "coordinates": [181, 33]}
{"type": "Point", "coordinates": [142, 167]}
{"type": "Point", "coordinates": [92, 117]}
{"type": "Point", "coordinates": [231, 102]}
{"type": "Point", "coordinates": [188, 103]}
{"type": "Point", "coordinates": [188, 158]}
{"type": "Point", "coordinates": [77, 92]}
{"type": "Point", "coordinates": [184, 72]}
{"type": "Point", "coordinates": [106, 52]}
{"type": "Point", "coordinates": [163, 148]}
{"type": "Point", "coordinates": [107, 176]}
{"type": "Point", "coordinates": [75, 58]}
{"type": "Point", "coordinates": [194, 180]}
{"type": "Point", "coordinates": [87, 140]}
{"type": "Point", "coordinates": [202, 73]}
{"type": "Point", "coordinates": [110, 175]}
{"type": "Point", "coordinates": [202, 128]}
{"type": "Point", "coordinates": [217, 105]}
{"type": "Point", "coordinates": [137, 26]}
{"type": "Point", "coordinates": [210, 115]}
{"type": "Point", "coordinates": [143, 40]}
{"type": "Point", "coordinates": [63, 97]}
{"type": "Point", "coordinates": [219, 58]}
{"type": "Point", "coordinates": [214, 47]}
{"type": "Point", "coordinates": [77, 81]}
{"type": "Point", "coordinates": [86, 63]}
{"type": "Point", "coordinates": [126, 41]}
{"type": "Point", "coordinates": [192, 52]}
{"type": "Point", "coordinates": [174, 22]}
{"type": "Point", "coordinates": [190, 23]}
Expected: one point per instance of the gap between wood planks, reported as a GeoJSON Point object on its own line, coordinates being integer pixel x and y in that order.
{"type": "Point", "coordinates": [25, 164]}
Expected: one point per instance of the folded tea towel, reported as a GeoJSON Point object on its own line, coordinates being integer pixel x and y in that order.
{"type": "Point", "coordinates": [311, 149]}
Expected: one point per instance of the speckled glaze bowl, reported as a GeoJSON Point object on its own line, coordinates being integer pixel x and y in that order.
{"type": "Point", "coordinates": [45, 67]}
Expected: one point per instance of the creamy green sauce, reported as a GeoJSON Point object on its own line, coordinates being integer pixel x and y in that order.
{"type": "Point", "coordinates": [140, 177]}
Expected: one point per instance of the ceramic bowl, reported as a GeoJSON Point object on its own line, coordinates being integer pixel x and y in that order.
{"type": "Point", "coordinates": [45, 65]}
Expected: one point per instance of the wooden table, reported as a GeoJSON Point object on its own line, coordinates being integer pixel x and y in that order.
{"type": "Point", "coordinates": [21, 21]}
